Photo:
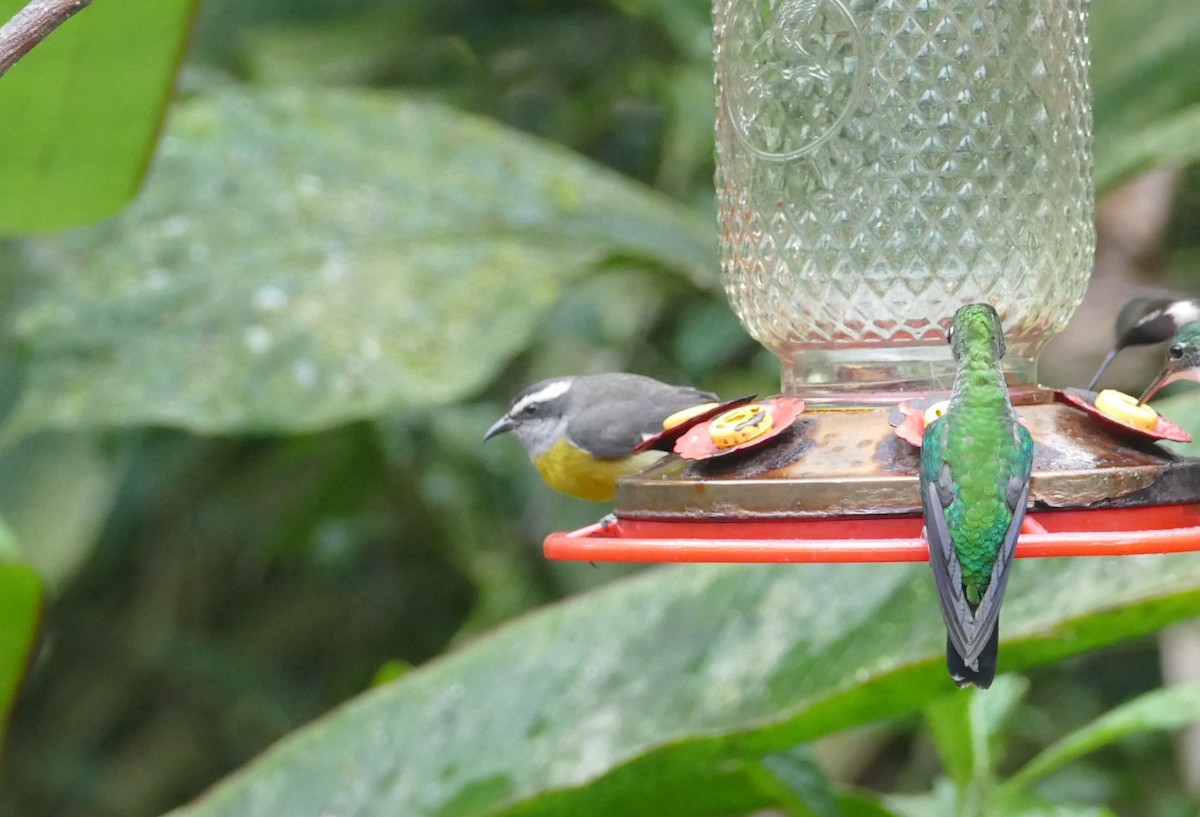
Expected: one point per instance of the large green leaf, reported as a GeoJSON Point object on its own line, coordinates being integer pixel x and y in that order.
{"type": "Point", "coordinates": [301, 259]}
{"type": "Point", "coordinates": [20, 612]}
{"type": "Point", "coordinates": [1144, 79]}
{"type": "Point", "coordinates": [1170, 708]}
{"type": "Point", "coordinates": [965, 724]}
{"type": "Point", "coordinates": [82, 110]}
{"type": "Point", "coordinates": [942, 803]}
{"type": "Point", "coordinates": [797, 782]}
{"type": "Point", "coordinates": [55, 494]}
{"type": "Point", "coordinates": [1170, 140]}
{"type": "Point", "coordinates": [1183, 409]}
{"type": "Point", "coordinates": [620, 701]}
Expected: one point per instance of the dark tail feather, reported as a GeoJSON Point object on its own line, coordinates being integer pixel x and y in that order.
{"type": "Point", "coordinates": [985, 667]}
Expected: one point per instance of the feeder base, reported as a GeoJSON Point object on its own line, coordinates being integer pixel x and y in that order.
{"type": "Point", "coordinates": [849, 463]}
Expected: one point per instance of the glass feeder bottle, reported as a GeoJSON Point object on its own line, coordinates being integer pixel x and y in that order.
{"type": "Point", "coordinates": [882, 162]}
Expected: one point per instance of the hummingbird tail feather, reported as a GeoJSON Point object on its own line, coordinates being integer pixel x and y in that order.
{"type": "Point", "coordinates": [982, 671]}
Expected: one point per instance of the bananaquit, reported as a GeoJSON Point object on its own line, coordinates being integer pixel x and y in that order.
{"type": "Point", "coordinates": [580, 431]}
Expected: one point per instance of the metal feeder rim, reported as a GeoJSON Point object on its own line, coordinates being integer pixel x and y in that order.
{"type": "Point", "coordinates": [1068, 533]}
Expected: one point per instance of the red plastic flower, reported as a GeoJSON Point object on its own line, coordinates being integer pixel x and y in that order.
{"type": "Point", "coordinates": [740, 429]}
{"type": "Point", "coordinates": [908, 418]}
{"type": "Point", "coordinates": [665, 439]}
{"type": "Point", "coordinates": [1085, 402]}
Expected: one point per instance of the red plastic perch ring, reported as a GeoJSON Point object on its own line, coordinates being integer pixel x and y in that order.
{"type": "Point", "coordinates": [1107, 532]}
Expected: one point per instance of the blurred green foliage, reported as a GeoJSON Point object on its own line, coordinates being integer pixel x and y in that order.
{"type": "Point", "coordinates": [20, 609]}
{"type": "Point", "coordinates": [620, 702]}
{"type": "Point", "coordinates": [82, 111]}
{"type": "Point", "coordinates": [230, 558]}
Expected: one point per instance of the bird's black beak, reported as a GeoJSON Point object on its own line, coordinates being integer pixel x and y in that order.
{"type": "Point", "coordinates": [499, 427]}
{"type": "Point", "coordinates": [1107, 360]}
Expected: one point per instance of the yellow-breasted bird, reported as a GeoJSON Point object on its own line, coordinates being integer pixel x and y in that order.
{"type": "Point", "coordinates": [580, 431]}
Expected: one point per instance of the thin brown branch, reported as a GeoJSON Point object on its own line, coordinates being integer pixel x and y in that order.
{"type": "Point", "coordinates": [33, 24]}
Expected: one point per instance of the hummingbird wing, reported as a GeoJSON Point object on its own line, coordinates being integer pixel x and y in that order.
{"type": "Point", "coordinates": [1017, 500]}
{"type": "Point", "coordinates": [969, 627]}
{"type": "Point", "coordinates": [961, 626]}
{"type": "Point", "coordinates": [937, 492]}
{"type": "Point", "coordinates": [987, 613]}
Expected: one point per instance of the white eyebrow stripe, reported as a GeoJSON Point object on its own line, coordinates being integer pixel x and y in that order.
{"type": "Point", "coordinates": [1184, 312]}
{"type": "Point", "coordinates": [555, 388]}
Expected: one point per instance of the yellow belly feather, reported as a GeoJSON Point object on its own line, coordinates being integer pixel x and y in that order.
{"type": "Point", "coordinates": [573, 471]}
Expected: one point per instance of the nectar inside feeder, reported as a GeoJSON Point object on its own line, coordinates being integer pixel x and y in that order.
{"type": "Point", "coordinates": [858, 175]}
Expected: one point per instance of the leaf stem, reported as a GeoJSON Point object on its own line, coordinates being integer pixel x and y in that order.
{"type": "Point", "coordinates": [33, 24]}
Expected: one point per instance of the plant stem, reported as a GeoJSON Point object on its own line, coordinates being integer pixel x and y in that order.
{"type": "Point", "coordinates": [33, 24]}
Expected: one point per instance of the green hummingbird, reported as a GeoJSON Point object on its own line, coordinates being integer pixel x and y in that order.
{"type": "Point", "coordinates": [975, 464]}
{"type": "Point", "coordinates": [1183, 360]}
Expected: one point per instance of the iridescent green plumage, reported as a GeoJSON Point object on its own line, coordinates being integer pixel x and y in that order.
{"type": "Point", "coordinates": [1182, 363]}
{"type": "Point", "coordinates": [975, 465]}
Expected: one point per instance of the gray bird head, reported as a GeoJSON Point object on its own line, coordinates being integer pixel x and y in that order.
{"type": "Point", "coordinates": [538, 416]}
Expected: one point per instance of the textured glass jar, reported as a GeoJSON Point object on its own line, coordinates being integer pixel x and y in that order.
{"type": "Point", "coordinates": [882, 162]}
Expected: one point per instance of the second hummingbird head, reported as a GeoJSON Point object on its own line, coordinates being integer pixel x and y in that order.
{"type": "Point", "coordinates": [974, 324]}
{"type": "Point", "coordinates": [1183, 360]}
{"type": "Point", "coordinates": [1184, 352]}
